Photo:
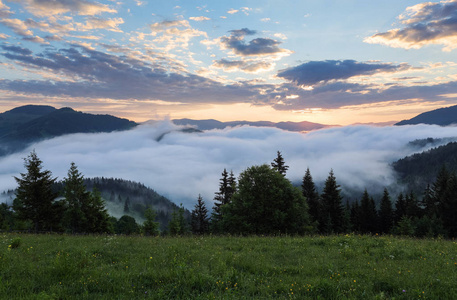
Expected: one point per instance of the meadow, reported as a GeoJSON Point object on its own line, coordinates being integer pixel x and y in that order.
{"type": "Point", "coordinates": [211, 267]}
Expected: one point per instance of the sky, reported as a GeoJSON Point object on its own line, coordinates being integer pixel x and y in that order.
{"type": "Point", "coordinates": [331, 62]}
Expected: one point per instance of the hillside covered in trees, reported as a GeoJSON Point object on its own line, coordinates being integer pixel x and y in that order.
{"type": "Point", "coordinates": [23, 125]}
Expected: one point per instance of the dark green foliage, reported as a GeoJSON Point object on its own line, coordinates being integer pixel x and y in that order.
{"type": "Point", "coordinates": [420, 169]}
{"type": "Point", "coordinates": [24, 125]}
{"type": "Point", "coordinates": [35, 199]}
{"type": "Point", "coordinates": [355, 216]}
{"type": "Point", "coordinates": [227, 187]}
{"type": "Point", "coordinates": [85, 212]}
{"type": "Point", "coordinates": [332, 206]}
{"type": "Point", "coordinates": [279, 165]}
{"type": "Point", "coordinates": [127, 205]}
{"type": "Point", "coordinates": [150, 226]}
{"type": "Point", "coordinates": [368, 214]}
{"type": "Point", "coordinates": [385, 213]}
{"type": "Point", "coordinates": [76, 197]}
{"type": "Point", "coordinates": [400, 208]}
{"type": "Point", "coordinates": [266, 203]}
{"type": "Point", "coordinates": [199, 217]}
{"type": "Point", "coordinates": [140, 198]}
{"type": "Point", "coordinates": [127, 225]}
{"type": "Point", "coordinates": [178, 224]}
{"type": "Point", "coordinates": [312, 197]}
{"type": "Point", "coordinates": [405, 226]}
{"type": "Point", "coordinates": [6, 217]}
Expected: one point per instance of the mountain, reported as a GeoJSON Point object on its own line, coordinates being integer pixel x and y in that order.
{"type": "Point", "coordinates": [420, 169]}
{"type": "Point", "coordinates": [214, 124]}
{"type": "Point", "coordinates": [442, 116]}
{"type": "Point", "coordinates": [24, 125]}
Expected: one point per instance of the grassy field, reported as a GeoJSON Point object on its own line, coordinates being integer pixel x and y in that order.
{"type": "Point", "coordinates": [119, 267]}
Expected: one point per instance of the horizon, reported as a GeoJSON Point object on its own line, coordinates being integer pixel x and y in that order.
{"type": "Point", "coordinates": [326, 62]}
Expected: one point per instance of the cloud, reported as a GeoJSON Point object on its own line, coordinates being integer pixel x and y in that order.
{"type": "Point", "coordinates": [4, 10]}
{"type": "Point", "coordinates": [314, 72]}
{"type": "Point", "coordinates": [16, 49]}
{"type": "Point", "coordinates": [232, 11]}
{"type": "Point", "coordinates": [200, 19]}
{"type": "Point", "coordinates": [102, 75]}
{"type": "Point", "coordinates": [100, 23]}
{"type": "Point", "coordinates": [18, 26]}
{"type": "Point", "coordinates": [181, 166]}
{"type": "Point", "coordinates": [161, 26]}
{"type": "Point", "coordinates": [246, 66]}
{"type": "Point", "coordinates": [50, 8]}
{"type": "Point", "coordinates": [258, 46]}
{"type": "Point", "coordinates": [423, 24]}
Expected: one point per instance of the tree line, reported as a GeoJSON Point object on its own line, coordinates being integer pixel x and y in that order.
{"type": "Point", "coordinates": [261, 201]}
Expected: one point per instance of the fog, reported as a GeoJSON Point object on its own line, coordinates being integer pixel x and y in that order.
{"type": "Point", "coordinates": [182, 165]}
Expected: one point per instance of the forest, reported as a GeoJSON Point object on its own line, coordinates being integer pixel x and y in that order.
{"type": "Point", "coordinates": [261, 201]}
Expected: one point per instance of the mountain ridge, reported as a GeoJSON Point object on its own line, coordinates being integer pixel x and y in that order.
{"type": "Point", "coordinates": [442, 116]}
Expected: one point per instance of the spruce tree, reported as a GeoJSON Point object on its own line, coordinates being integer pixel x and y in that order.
{"type": "Point", "coordinates": [150, 226]}
{"type": "Point", "coordinates": [227, 187]}
{"type": "Point", "coordinates": [127, 205]}
{"type": "Point", "coordinates": [312, 197]}
{"type": "Point", "coordinates": [279, 165]}
{"type": "Point", "coordinates": [355, 216]}
{"type": "Point", "coordinates": [178, 224]}
{"type": "Point", "coordinates": [76, 197]}
{"type": "Point", "coordinates": [400, 208]}
{"type": "Point", "coordinates": [368, 214]}
{"type": "Point", "coordinates": [96, 214]}
{"type": "Point", "coordinates": [199, 217]}
{"type": "Point", "coordinates": [332, 206]}
{"type": "Point", "coordinates": [85, 211]}
{"type": "Point", "coordinates": [35, 199]}
{"type": "Point", "coordinates": [449, 207]}
{"type": "Point", "coordinates": [386, 213]}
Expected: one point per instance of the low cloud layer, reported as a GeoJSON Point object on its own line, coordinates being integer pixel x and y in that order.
{"type": "Point", "coordinates": [423, 24]}
{"type": "Point", "coordinates": [181, 165]}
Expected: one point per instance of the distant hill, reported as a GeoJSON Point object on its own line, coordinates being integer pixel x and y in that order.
{"type": "Point", "coordinates": [442, 116]}
{"type": "Point", "coordinates": [214, 124]}
{"type": "Point", "coordinates": [24, 125]}
{"type": "Point", "coordinates": [116, 192]}
{"type": "Point", "coordinates": [418, 170]}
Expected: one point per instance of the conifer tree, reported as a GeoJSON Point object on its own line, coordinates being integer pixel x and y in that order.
{"type": "Point", "coordinates": [199, 217]}
{"type": "Point", "coordinates": [279, 165]}
{"type": "Point", "coordinates": [400, 208]}
{"type": "Point", "coordinates": [150, 226]}
{"type": "Point", "coordinates": [96, 214]}
{"type": "Point", "coordinates": [368, 214]}
{"type": "Point", "coordinates": [355, 216]}
{"type": "Point", "coordinates": [76, 197]}
{"type": "Point", "coordinates": [35, 199]}
{"type": "Point", "coordinates": [127, 205]}
{"type": "Point", "coordinates": [227, 187]}
{"type": "Point", "coordinates": [332, 205]}
{"type": "Point", "coordinates": [312, 197]}
{"type": "Point", "coordinates": [386, 213]}
{"type": "Point", "coordinates": [449, 207]}
{"type": "Point", "coordinates": [85, 210]}
{"type": "Point", "coordinates": [178, 224]}
{"type": "Point", "coordinates": [428, 203]}
{"type": "Point", "coordinates": [412, 206]}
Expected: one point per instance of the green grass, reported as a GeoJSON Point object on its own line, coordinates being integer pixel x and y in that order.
{"type": "Point", "coordinates": [118, 267]}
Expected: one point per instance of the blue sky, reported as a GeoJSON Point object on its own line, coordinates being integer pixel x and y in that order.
{"type": "Point", "coordinates": [332, 62]}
